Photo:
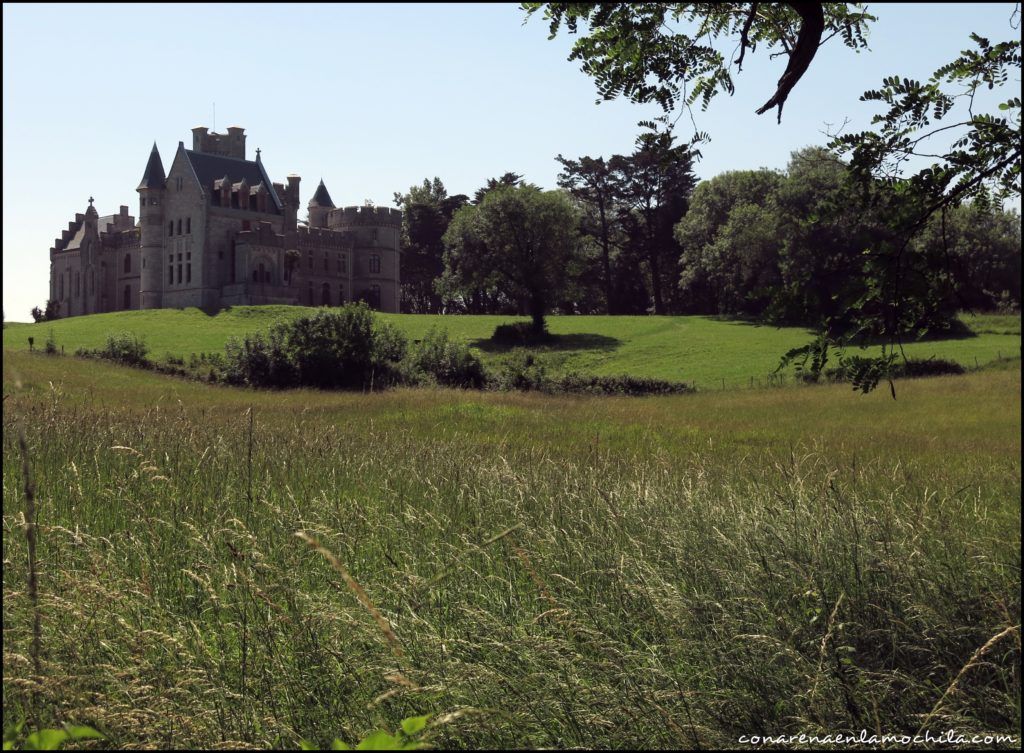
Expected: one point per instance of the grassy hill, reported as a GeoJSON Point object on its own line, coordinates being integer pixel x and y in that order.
{"type": "Point", "coordinates": [711, 353]}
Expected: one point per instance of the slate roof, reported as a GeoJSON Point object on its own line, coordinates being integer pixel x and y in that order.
{"type": "Point", "coordinates": [154, 177]}
{"type": "Point", "coordinates": [213, 167]}
{"type": "Point", "coordinates": [321, 197]}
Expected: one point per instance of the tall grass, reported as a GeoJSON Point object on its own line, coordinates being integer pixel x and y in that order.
{"type": "Point", "coordinates": [646, 572]}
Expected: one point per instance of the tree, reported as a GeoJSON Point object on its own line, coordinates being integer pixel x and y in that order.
{"type": "Point", "coordinates": [292, 257]}
{"type": "Point", "coordinates": [520, 240]}
{"type": "Point", "coordinates": [656, 181]}
{"type": "Point", "coordinates": [597, 184]}
{"type": "Point", "coordinates": [427, 210]}
{"type": "Point", "coordinates": [664, 52]}
{"type": "Point", "coordinates": [506, 180]}
{"type": "Point", "coordinates": [48, 314]}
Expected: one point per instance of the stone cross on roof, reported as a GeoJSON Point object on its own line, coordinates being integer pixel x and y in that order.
{"type": "Point", "coordinates": [90, 200]}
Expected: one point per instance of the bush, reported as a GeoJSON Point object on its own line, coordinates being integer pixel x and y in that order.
{"type": "Point", "coordinates": [518, 334]}
{"type": "Point", "coordinates": [920, 367]}
{"type": "Point", "coordinates": [911, 368]}
{"type": "Point", "coordinates": [125, 348]}
{"type": "Point", "coordinates": [614, 385]}
{"type": "Point", "coordinates": [342, 348]}
{"type": "Point", "coordinates": [523, 371]}
{"type": "Point", "coordinates": [447, 362]}
{"type": "Point", "coordinates": [51, 344]}
{"type": "Point", "coordinates": [520, 370]}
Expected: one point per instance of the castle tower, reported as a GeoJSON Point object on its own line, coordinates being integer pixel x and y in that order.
{"type": "Point", "coordinates": [319, 206]}
{"type": "Point", "coordinates": [375, 234]}
{"type": "Point", "coordinates": [151, 224]}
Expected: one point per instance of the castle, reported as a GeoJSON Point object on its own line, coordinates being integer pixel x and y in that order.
{"type": "Point", "coordinates": [214, 231]}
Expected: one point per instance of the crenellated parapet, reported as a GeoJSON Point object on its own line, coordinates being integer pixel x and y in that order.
{"type": "Point", "coordinates": [263, 234]}
{"type": "Point", "coordinates": [319, 237]}
{"type": "Point", "coordinates": [365, 216]}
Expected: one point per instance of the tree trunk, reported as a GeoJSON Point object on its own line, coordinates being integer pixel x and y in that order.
{"type": "Point", "coordinates": [606, 262]}
{"type": "Point", "coordinates": [537, 313]}
{"type": "Point", "coordinates": [652, 257]}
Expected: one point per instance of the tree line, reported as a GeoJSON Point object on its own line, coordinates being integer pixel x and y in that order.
{"type": "Point", "coordinates": [639, 233]}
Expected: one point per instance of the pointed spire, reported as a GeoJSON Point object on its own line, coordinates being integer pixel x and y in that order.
{"type": "Point", "coordinates": [321, 197]}
{"type": "Point", "coordinates": [154, 177]}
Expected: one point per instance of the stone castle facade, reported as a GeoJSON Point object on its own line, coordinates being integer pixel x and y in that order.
{"type": "Point", "coordinates": [214, 231]}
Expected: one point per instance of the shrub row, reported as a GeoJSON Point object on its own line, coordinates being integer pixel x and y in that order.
{"type": "Point", "coordinates": [348, 348]}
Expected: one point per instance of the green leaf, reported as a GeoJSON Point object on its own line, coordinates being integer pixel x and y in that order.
{"type": "Point", "coordinates": [46, 739]}
{"type": "Point", "coordinates": [380, 740]}
{"type": "Point", "coordinates": [83, 732]}
{"type": "Point", "coordinates": [307, 745]}
{"type": "Point", "coordinates": [340, 745]}
{"type": "Point", "coordinates": [414, 724]}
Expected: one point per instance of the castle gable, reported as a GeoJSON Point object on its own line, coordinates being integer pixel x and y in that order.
{"type": "Point", "coordinates": [210, 168]}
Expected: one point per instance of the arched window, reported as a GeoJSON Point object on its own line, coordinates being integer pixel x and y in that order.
{"type": "Point", "coordinates": [127, 263]}
{"type": "Point", "coordinates": [325, 295]}
{"type": "Point", "coordinates": [127, 296]}
{"type": "Point", "coordinates": [374, 263]}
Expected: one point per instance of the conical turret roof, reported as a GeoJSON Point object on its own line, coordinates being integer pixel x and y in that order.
{"type": "Point", "coordinates": [321, 197]}
{"type": "Point", "coordinates": [154, 177]}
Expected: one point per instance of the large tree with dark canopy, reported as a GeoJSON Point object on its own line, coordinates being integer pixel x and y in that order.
{"type": "Point", "coordinates": [518, 239]}
{"type": "Point", "coordinates": [426, 211]}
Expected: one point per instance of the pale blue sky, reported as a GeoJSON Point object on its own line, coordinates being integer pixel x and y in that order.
{"type": "Point", "coordinates": [373, 98]}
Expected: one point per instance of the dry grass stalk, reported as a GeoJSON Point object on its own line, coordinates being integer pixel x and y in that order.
{"type": "Point", "coordinates": [973, 660]}
{"type": "Point", "coordinates": [30, 536]}
{"type": "Point", "coordinates": [361, 595]}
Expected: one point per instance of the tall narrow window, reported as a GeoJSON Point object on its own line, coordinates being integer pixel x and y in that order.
{"type": "Point", "coordinates": [309, 257]}
{"type": "Point", "coordinates": [127, 296]}
{"type": "Point", "coordinates": [62, 286]}
{"type": "Point", "coordinates": [170, 228]}
{"type": "Point", "coordinates": [127, 263]}
{"type": "Point", "coordinates": [188, 225]}
{"type": "Point", "coordinates": [325, 295]}
{"type": "Point", "coordinates": [170, 274]}
{"type": "Point", "coordinates": [374, 263]}
{"type": "Point", "coordinates": [188, 272]}
{"type": "Point", "coordinates": [179, 226]}
{"type": "Point", "coordinates": [375, 296]}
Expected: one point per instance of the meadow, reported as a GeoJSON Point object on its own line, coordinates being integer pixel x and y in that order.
{"type": "Point", "coordinates": [658, 572]}
{"type": "Point", "coordinates": [707, 352]}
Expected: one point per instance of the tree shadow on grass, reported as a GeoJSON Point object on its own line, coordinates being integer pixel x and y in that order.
{"type": "Point", "coordinates": [578, 341]}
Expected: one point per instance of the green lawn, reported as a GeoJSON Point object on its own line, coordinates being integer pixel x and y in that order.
{"type": "Point", "coordinates": [709, 352]}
